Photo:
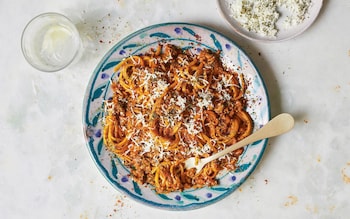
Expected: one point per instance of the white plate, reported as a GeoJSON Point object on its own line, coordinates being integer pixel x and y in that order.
{"type": "Point", "coordinates": [186, 36]}
{"type": "Point", "coordinates": [283, 33]}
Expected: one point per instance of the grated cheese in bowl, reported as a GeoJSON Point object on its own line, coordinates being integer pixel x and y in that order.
{"type": "Point", "coordinates": [261, 16]}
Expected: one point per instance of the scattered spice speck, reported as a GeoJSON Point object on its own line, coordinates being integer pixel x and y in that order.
{"type": "Point", "coordinates": [119, 206]}
{"type": "Point", "coordinates": [345, 173]}
{"type": "Point", "coordinates": [83, 216]}
{"type": "Point", "coordinates": [318, 158]}
{"type": "Point", "coordinates": [331, 208]}
{"type": "Point", "coordinates": [312, 209]}
{"type": "Point", "coordinates": [292, 200]}
{"type": "Point", "coordinates": [337, 88]}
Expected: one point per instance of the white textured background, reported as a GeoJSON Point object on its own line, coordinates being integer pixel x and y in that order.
{"type": "Point", "coordinates": [46, 170]}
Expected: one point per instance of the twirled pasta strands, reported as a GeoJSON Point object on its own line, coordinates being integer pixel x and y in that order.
{"type": "Point", "coordinates": [170, 104]}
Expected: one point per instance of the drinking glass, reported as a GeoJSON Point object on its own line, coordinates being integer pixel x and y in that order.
{"type": "Point", "coordinates": [50, 42]}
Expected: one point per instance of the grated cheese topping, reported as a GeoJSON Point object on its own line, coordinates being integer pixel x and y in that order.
{"type": "Point", "coordinates": [261, 16]}
{"type": "Point", "coordinates": [178, 112]}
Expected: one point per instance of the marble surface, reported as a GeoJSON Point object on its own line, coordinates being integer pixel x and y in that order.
{"type": "Point", "coordinates": [46, 170]}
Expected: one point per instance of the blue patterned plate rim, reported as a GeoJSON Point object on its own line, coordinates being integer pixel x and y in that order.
{"type": "Point", "coordinates": [93, 134]}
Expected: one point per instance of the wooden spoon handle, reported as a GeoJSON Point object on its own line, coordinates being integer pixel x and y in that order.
{"type": "Point", "coordinates": [277, 126]}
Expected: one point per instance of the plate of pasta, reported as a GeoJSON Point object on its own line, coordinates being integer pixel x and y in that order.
{"type": "Point", "coordinates": [166, 93]}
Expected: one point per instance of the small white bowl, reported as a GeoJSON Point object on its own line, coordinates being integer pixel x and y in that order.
{"type": "Point", "coordinates": [283, 32]}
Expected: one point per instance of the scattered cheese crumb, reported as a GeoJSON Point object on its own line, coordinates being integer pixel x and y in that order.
{"type": "Point", "coordinates": [205, 100]}
{"type": "Point", "coordinates": [261, 16]}
{"type": "Point", "coordinates": [298, 8]}
{"type": "Point", "coordinates": [192, 127]}
{"type": "Point", "coordinates": [181, 102]}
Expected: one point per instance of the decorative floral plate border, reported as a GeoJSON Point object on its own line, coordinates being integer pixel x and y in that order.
{"type": "Point", "coordinates": [187, 36]}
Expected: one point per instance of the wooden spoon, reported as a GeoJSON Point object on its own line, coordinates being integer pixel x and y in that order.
{"type": "Point", "coordinates": [277, 126]}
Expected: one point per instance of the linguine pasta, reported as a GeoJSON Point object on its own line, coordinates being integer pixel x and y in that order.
{"type": "Point", "coordinates": [169, 105]}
